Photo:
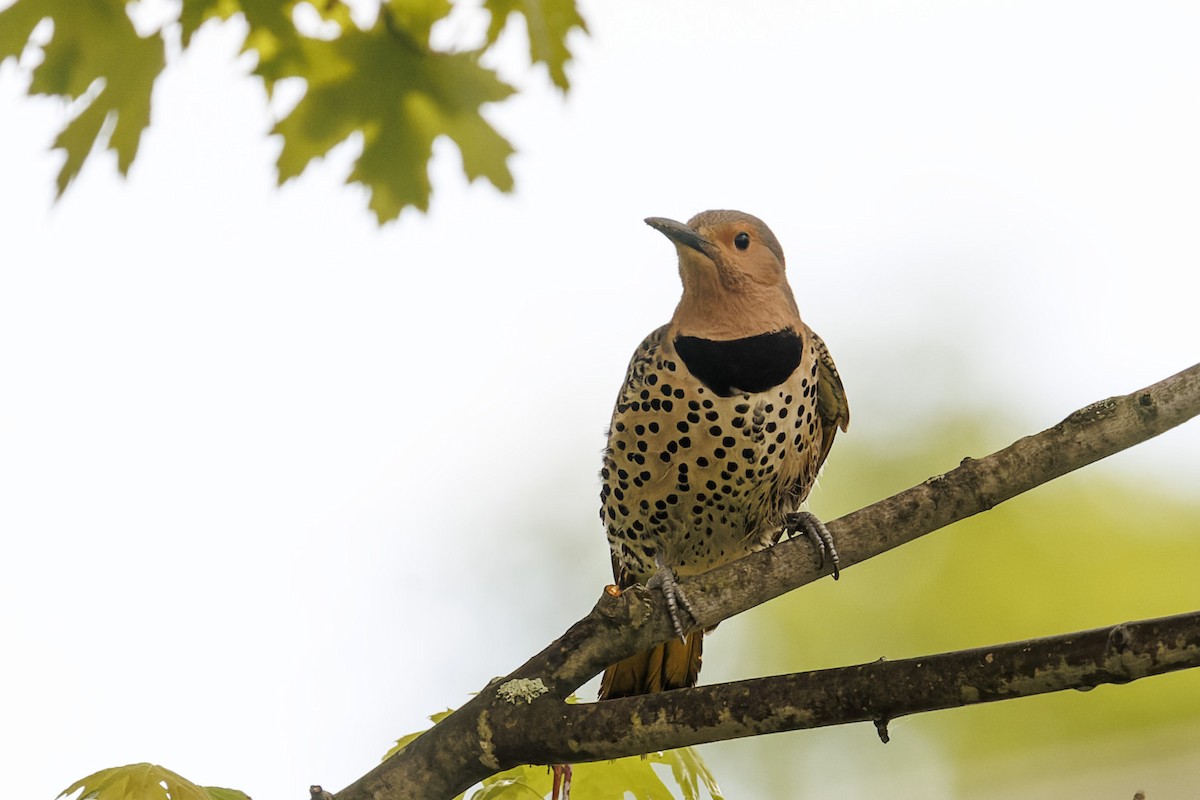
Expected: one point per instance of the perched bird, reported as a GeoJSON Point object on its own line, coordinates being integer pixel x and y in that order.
{"type": "Point", "coordinates": [725, 417]}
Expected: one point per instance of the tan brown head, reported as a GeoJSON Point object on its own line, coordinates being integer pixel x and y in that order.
{"type": "Point", "coordinates": [732, 267]}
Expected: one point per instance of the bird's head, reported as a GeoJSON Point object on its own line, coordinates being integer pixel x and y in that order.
{"type": "Point", "coordinates": [732, 267]}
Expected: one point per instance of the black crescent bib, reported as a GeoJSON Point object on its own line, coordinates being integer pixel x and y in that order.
{"type": "Point", "coordinates": [753, 364]}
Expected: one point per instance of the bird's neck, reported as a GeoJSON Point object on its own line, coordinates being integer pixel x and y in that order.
{"type": "Point", "coordinates": [723, 315]}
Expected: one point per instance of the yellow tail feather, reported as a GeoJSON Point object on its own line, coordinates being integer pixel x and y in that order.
{"type": "Point", "coordinates": [671, 665]}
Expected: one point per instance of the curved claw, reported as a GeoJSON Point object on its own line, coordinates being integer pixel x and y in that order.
{"type": "Point", "coordinates": [665, 580]}
{"type": "Point", "coordinates": [815, 531]}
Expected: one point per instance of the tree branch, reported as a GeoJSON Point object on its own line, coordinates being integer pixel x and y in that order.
{"type": "Point", "coordinates": [493, 731]}
{"type": "Point", "coordinates": [879, 691]}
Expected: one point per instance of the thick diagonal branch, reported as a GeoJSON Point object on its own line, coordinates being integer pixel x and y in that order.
{"type": "Point", "coordinates": [484, 735]}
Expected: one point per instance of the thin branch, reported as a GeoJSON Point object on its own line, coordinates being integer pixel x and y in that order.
{"type": "Point", "coordinates": [488, 732]}
{"type": "Point", "coordinates": [879, 691]}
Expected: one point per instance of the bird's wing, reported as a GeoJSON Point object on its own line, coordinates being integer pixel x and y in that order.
{"type": "Point", "coordinates": [831, 397]}
{"type": "Point", "coordinates": [635, 382]}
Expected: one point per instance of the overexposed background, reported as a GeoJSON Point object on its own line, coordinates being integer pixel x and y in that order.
{"type": "Point", "coordinates": [276, 483]}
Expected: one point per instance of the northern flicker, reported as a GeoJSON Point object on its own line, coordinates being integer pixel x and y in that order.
{"type": "Point", "coordinates": [725, 417]}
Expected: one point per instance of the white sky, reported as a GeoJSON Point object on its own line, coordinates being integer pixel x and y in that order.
{"type": "Point", "coordinates": [275, 484]}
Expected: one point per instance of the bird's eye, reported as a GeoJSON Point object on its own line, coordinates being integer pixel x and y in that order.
{"type": "Point", "coordinates": [741, 241]}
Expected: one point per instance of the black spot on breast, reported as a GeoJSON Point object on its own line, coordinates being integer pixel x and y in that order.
{"type": "Point", "coordinates": [753, 364]}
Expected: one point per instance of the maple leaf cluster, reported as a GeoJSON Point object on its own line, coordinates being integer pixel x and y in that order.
{"type": "Point", "coordinates": [384, 81]}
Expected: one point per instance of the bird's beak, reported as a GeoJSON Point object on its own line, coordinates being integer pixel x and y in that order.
{"type": "Point", "coordinates": [680, 234]}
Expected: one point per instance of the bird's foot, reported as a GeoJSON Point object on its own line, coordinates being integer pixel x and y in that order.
{"type": "Point", "coordinates": [665, 580]}
{"type": "Point", "coordinates": [562, 781]}
{"type": "Point", "coordinates": [815, 531]}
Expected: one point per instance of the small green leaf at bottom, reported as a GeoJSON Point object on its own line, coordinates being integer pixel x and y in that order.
{"type": "Point", "coordinates": [145, 782]}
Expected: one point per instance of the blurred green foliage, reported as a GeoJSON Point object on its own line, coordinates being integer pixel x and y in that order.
{"type": "Point", "coordinates": [1092, 548]}
{"type": "Point", "coordinates": [385, 81]}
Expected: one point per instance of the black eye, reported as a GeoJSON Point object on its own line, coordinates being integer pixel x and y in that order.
{"type": "Point", "coordinates": [741, 241]}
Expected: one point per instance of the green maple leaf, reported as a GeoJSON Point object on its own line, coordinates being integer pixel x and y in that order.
{"type": "Point", "coordinates": [195, 13]}
{"type": "Point", "coordinates": [272, 35]}
{"type": "Point", "coordinates": [218, 793]}
{"type": "Point", "coordinates": [548, 23]}
{"type": "Point", "coordinates": [16, 23]}
{"type": "Point", "coordinates": [417, 17]}
{"type": "Point", "coordinates": [386, 84]}
{"type": "Point", "coordinates": [111, 83]}
{"type": "Point", "coordinates": [608, 780]}
{"type": "Point", "coordinates": [689, 771]}
{"type": "Point", "coordinates": [400, 96]}
{"type": "Point", "coordinates": [145, 782]}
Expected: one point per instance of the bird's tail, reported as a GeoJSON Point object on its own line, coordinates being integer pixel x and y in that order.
{"type": "Point", "coordinates": [673, 664]}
